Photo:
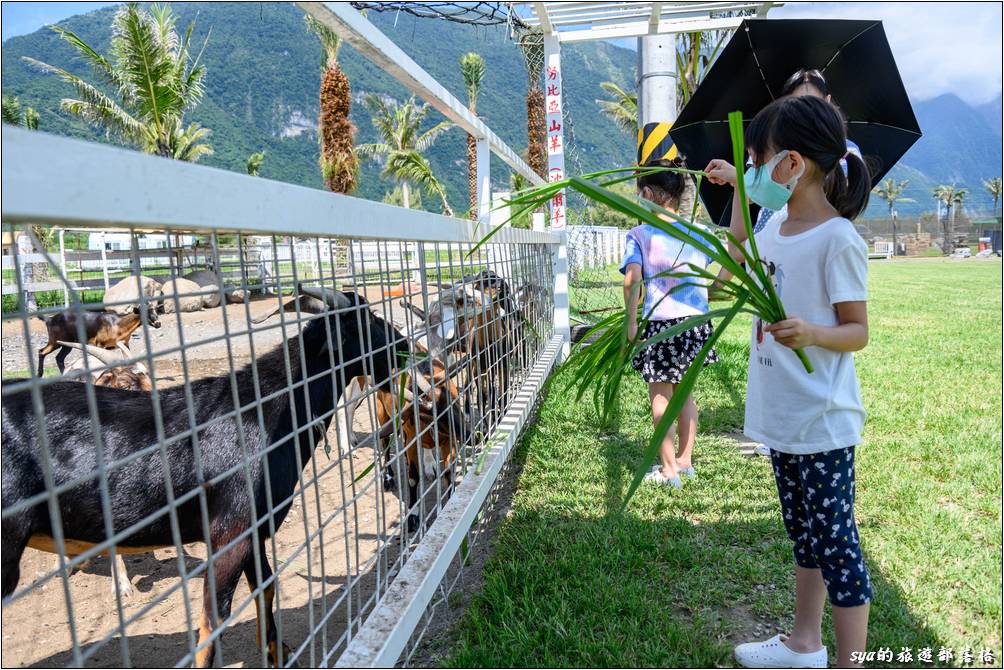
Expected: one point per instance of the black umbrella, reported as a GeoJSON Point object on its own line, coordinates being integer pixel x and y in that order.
{"type": "Point", "coordinates": [855, 59]}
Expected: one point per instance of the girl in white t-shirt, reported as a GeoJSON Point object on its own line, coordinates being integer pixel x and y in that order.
{"type": "Point", "coordinates": [810, 422]}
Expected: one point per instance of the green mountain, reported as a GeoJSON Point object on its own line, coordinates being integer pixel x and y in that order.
{"type": "Point", "coordinates": [263, 73]}
{"type": "Point", "coordinates": [961, 145]}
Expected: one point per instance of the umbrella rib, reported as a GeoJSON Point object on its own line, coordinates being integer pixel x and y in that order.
{"type": "Point", "coordinates": [885, 125]}
{"type": "Point", "coordinates": [756, 60]}
{"type": "Point", "coordinates": [841, 47]}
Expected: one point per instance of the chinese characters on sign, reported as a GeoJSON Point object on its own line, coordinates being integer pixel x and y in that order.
{"type": "Point", "coordinates": [555, 140]}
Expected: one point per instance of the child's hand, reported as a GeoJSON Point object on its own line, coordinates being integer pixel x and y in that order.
{"type": "Point", "coordinates": [793, 333]}
{"type": "Point", "coordinates": [721, 172]}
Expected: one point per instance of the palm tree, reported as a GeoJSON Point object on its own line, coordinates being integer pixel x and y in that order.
{"type": "Point", "coordinates": [891, 191]}
{"type": "Point", "coordinates": [622, 109]}
{"type": "Point", "coordinates": [953, 198]}
{"type": "Point", "coordinates": [402, 144]}
{"type": "Point", "coordinates": [150, 70]}
{"type": "Point", "coordinates": [994, 187]}
{"type": "Point", "coordinates": [15, 116]}
{"type": "Point", "coordinates": [472, 67]}
{"type": "Point", "coordinates": [694, 57]}
{"type": "Point", "coordinates": [338, 161]}
{"type": "Point", "coordinates": [254, 163]}
{"type": "Point", "coordinates": [531, 44]}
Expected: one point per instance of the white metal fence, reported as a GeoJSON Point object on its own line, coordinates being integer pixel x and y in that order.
{"type": "Point", "coordinates": [324, 462]}
{"type": "Point", "coordinates": [595, 246]}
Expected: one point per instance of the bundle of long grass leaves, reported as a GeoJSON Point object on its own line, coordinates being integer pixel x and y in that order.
{"type": "Point", "coordinates": [600, 365]}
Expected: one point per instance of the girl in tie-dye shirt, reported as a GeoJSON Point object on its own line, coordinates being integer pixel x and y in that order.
{"type": "Point", "coordinates": [650, 252]}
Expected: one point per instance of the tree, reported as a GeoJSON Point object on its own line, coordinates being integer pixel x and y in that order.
{"type": "Point", "coordinates": [531, 44]}
{"type": "Point", "coordinates": [336, 134]}
{"type": "Point", "coordinates": [953, 197]}
{"type": "Point", "coordinates": [254, 163]}
{"type": "Point", "coordinates": [401, 150]}
{"type": "Point", "coordinates": [622, 109]}
{"type": "Point", "coordinates": [994, 187]}
{"type": "Point", "coordinates": [472, 67]}
{"type": "Point", "coordinates": [891, 192]}
{"type": "Point", "coordinates": [694, 56]}
{"type": "Point", "coordinates": [150, 70]}
{"type": "Point", "coordinates": [15, 116]}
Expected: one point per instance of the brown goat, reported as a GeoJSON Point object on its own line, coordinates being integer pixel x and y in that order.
{"type": "Point", "coordinates": [103, 329]}
{"type": "Point", "coordinates": [133, 377]}
{"type": "Point", "coordinates": [436, 413]}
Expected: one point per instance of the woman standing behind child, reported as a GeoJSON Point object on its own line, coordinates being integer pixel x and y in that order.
{"type": "Point", "coordinates": [650, 251]}
{"type": "Point", "coordinates": [811, 422]}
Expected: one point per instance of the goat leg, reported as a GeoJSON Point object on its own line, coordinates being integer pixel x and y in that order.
{"type": "Point", "coordinates": [42, 353]}
{"type": "Point", "coordinates": [228, 567]}
{"type": "Point", "coordinates": [121, 578]}
{"type": "Point", "coordinates": [264, 597]}
{"type": "Point", "coordinates": [61, 358]}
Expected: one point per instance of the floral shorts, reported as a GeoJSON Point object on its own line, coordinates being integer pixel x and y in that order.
{"type": "Point", "coordinates": [668, 361]}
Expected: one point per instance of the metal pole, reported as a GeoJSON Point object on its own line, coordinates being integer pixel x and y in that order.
{"type": "Point", "coordinates": [484, 191]}
{"type": "Point", "coordinates": [656, 96]}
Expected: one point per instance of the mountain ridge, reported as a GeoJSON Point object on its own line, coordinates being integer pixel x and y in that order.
{"type": "Point", "coordinates": [263, 72]}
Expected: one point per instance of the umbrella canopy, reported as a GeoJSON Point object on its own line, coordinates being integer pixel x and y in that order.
{"type": "Point", "coordinates": [855, 59]}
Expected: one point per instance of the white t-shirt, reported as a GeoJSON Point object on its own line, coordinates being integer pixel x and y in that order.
{"type": "Point", "coordinates": [788, 409]}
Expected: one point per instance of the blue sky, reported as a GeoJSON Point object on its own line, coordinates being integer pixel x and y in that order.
{"type": "Point", "coordinates": [940, 47]}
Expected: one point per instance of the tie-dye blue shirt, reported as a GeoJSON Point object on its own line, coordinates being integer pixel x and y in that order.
{"type": "Point", "coordinates": [657, 252]}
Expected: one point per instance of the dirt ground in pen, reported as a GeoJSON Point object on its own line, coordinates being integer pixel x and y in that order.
{"type": "Point", "coordinates": [343, 560]}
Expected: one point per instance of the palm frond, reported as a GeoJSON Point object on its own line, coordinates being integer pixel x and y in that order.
{"type": "Point", "coordinates": [254, 162]}
{"type": "Point", "coordinates": [622, 109]}
{"type": "Point", "coordinates": [94, 106]}
{"type": "Point", "coordinates": [99, 63]}
{"type": "Point", "coordinates": [412, 167]}
{"type": "Point", "coordinates": [188, 144]}
{"type": "Point", "coordinates": [429, 137]}
{"type": "Point", "coordinates": [382, 117]}
{"type": "Point", "coordinates": [473, 68]}
{"type": "Point", "coordinates": [11, 111]}
{"type": "Point", "coordinates": [376, 150]}
{"type": "Point", "coordinates": [146, 66]}
{"type": "Point", "coordinates": [330, 41]}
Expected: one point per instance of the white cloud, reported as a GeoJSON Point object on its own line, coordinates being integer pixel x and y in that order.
{"type": "Point", "coordinates": [940, 47]}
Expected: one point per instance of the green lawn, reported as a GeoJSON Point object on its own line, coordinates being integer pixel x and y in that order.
{"type": "Point", "coordinates": [683, 575]}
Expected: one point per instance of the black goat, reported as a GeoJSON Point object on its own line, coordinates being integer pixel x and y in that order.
{"type": "Point", "coordinates": [351, 337]}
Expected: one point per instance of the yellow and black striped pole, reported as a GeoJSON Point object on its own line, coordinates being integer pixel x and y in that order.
{"type": "Point", "coordinates": [654, 142]}
{"type": "Point", "coordinates": [656, 97]}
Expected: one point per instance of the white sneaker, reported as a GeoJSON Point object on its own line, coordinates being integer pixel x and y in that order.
{"type": "Point", "coordinates": [773, 653]}
{"type": "Point", "coordinates": [762, 450]}
{"type": "Point", "coordinates": [655, 476]}
{"type": "Point", "coordinates": [690, 472]}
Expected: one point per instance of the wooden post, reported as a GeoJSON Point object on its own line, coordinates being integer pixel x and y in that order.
{"type": "Point", "coordinates": [62, 267]}
{"type": "Point", "coordinates": [104, 259]}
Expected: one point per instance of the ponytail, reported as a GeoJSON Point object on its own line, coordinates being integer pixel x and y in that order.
{"type": "Point", "coordinates": [816, 129]}
{"type": "Point", "coordinates": [848, 193]}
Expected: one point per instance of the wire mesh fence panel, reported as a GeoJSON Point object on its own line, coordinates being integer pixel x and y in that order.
{"type": "Point", "coordinates": [595, 285]}
{"type": "Point", "coordinates": [235, 469]}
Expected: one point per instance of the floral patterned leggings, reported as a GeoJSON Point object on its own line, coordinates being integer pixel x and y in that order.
{"type": "Point", "coordinates": [817, 504]}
